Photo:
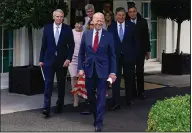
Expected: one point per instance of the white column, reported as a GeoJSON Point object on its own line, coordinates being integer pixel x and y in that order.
{"type": "Point", "coordinates": [68, 17]}
{"type": "Point", "coordinates": [161, 38]}
{"type": "Point", "coordinates": [184, 37]}
{"type": "Point", "coordinates": [16, 48]}
{"type": "Point", "coordinates": [37, 38]}
{"type": "Point", "coordinates": [24, 47]}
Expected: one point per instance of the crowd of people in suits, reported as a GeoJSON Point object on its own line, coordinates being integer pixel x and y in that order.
{"type": "Point", "coordinates": [102, 45]}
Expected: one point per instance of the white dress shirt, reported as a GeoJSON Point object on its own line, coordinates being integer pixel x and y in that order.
{"type": "Point", "coordinates": [55, 28]}
{"type": "Point", "coordinates": [94, 33]}
{"type": "Point", "coordinates": [123, 27]}
{"type": "Point", "coordinates": [134, 21]}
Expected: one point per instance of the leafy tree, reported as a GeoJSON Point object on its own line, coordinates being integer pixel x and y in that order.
{"type": "Point", "coordinates": [15, 14]}
{"type": "Point", "coordinates": [176, 10]}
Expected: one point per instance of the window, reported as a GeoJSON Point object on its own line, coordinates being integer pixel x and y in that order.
{"type": "Point", "coordinates": [6, 49]}
{"type": "Point", "coordinates": [152, 23]}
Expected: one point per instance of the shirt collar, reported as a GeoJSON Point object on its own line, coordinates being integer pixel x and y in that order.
{"type": "Point", "coordinates": [134, 20]}
{"type": "Point", "coordinates": [57, 26]}
{"type": "Point", "coordinates": [94, 31]}
{"type": "Point", "coordinates": [123, 24]}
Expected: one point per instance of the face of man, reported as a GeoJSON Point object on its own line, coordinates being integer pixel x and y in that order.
{"type": "Point", "coordinates": [58, 18]}
{"type": "Point", "coordinates": [107, 7]}
{"type": "Point", "coordinates": [98, 21]}
{"type": "Point", "coordinates": [132, 13]}
{"type": "Point", "coordinates": [90, 13]}
{"type": "Point", "coordinates": [120, 16]}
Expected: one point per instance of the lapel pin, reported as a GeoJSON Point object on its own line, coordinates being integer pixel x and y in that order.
{"type": "Point", "coordinates": [103, 35]}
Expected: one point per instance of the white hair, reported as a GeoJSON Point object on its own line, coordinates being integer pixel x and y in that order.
{"type": "Point", "coordinates": [98, 14]}
{"type": "Point", "coordinates": [57, 10]}
{"type": "Point", "coordinates": [89, 6]}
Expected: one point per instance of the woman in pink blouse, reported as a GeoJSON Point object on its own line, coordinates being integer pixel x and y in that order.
{"type": "Point", "coordinates": [77, 33]}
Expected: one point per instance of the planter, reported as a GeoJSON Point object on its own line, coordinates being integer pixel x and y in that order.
{"type": "Point", "coordinates": [176, 64]}
{"type": "Point", "coordinates": [26, 80]}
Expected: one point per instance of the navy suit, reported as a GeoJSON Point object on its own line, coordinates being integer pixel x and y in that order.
{"type": "Point", "coordinates": [97, 69]}
{"type": "Point", "coordinates": [126, 51]}
{"type": "Point", "coordinates": [53, 56]}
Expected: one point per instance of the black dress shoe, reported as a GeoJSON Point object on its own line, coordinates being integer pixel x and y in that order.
{"type": "Point", "coordinates": [46, 112]}
{"type": "Point", "coordinates": [115, 107]}
{"type": "Point", "coordinates": [98, 129]}
{"type": "Point", "coordinates": [94, 124]}
{"type": "Point", "coordinates": [142, 96]}
{"type": "Point", "coordinates": [59, 109]}
{"type": "Point", "coordinates": [129, 103]}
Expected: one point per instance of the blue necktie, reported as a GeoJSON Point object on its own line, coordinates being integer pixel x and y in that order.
{"type": "Point", "coordinates": [57, 35]}
{"type": "Point", "coordinates": [121, 32]}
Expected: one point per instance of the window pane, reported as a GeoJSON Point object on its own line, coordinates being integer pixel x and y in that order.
{"type": "Point", "coordinates": [153, 16]}
{"type": "Point", "coordinates": [7, 59]}
{"type": "Point", "coordinates": [7, 39]}
{"type": "Point", "coordinates": [153, 49]}
{"type": "Point", "coordinates": [154, 30]}
{"type": "Point", "coordinates": [146, 10]}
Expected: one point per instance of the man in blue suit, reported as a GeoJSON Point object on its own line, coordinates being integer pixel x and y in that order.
{"type": "Point", "coordinates": [55, 55]}
{"type": "Point", "coordinates": [126, 48]}
{"type": "Point", "coordinates": [97, 60]}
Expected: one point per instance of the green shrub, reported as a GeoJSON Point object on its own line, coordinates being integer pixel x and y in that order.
{"type": "Point", "coordinates": [170, 115]}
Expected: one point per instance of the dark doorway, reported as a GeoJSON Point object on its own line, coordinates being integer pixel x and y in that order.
{"type": "Point", "coordinates": [77, 5]}
{"type": "Point", "coordinates": [99, 4]}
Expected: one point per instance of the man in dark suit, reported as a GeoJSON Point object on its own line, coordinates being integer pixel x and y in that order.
{"type": "Point", "coordinates": [142, 36]}
{"type": "Point", "coordinates": [55, 55]}
{"type": "Point", "coordinates": [125, 46]}
{"type": "Point", "coordinates": [97, 51]}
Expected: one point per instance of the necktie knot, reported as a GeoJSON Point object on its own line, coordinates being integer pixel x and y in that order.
{"type": "Point", "coordinates": [97, 33]}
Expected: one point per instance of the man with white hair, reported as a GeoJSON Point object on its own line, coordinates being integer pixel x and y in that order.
{"type": "Point", "coordinates": [97, 60]}
{"type": "Point", "coordinates": [55, 55]}
{"type": "Point", "coordinates": [90, 10]}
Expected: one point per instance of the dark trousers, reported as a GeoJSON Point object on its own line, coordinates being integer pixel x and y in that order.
{"type": "Point", "coordinates": [128, 74]}
{"type": "Point", "coordinates": [97, 105]}
{"type": "Point", "coordinates": [49, 72]}
{"type": "Point", "coordinates": [138, 79]}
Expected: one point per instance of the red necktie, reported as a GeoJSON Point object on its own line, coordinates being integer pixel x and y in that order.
{"type": "Point", "coordinates": [95, 45]}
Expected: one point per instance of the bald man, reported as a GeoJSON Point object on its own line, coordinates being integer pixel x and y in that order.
{"type": "Point", "coordinates": [100, 64]}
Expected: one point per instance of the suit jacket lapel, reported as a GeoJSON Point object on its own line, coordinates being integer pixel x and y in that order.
{"type": "Point", "coordinates": [116, 31]}
{"type": "Point", "coordinates": [90, 38]}
{"type": "Point", "coordinates": [52, 34]}
{"type": "Point", "coordinates": [101, 39]}
{"type": "Point", "coordinates": [61, 34]}
{"type": "Point", "coordinates": [126, 31]}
